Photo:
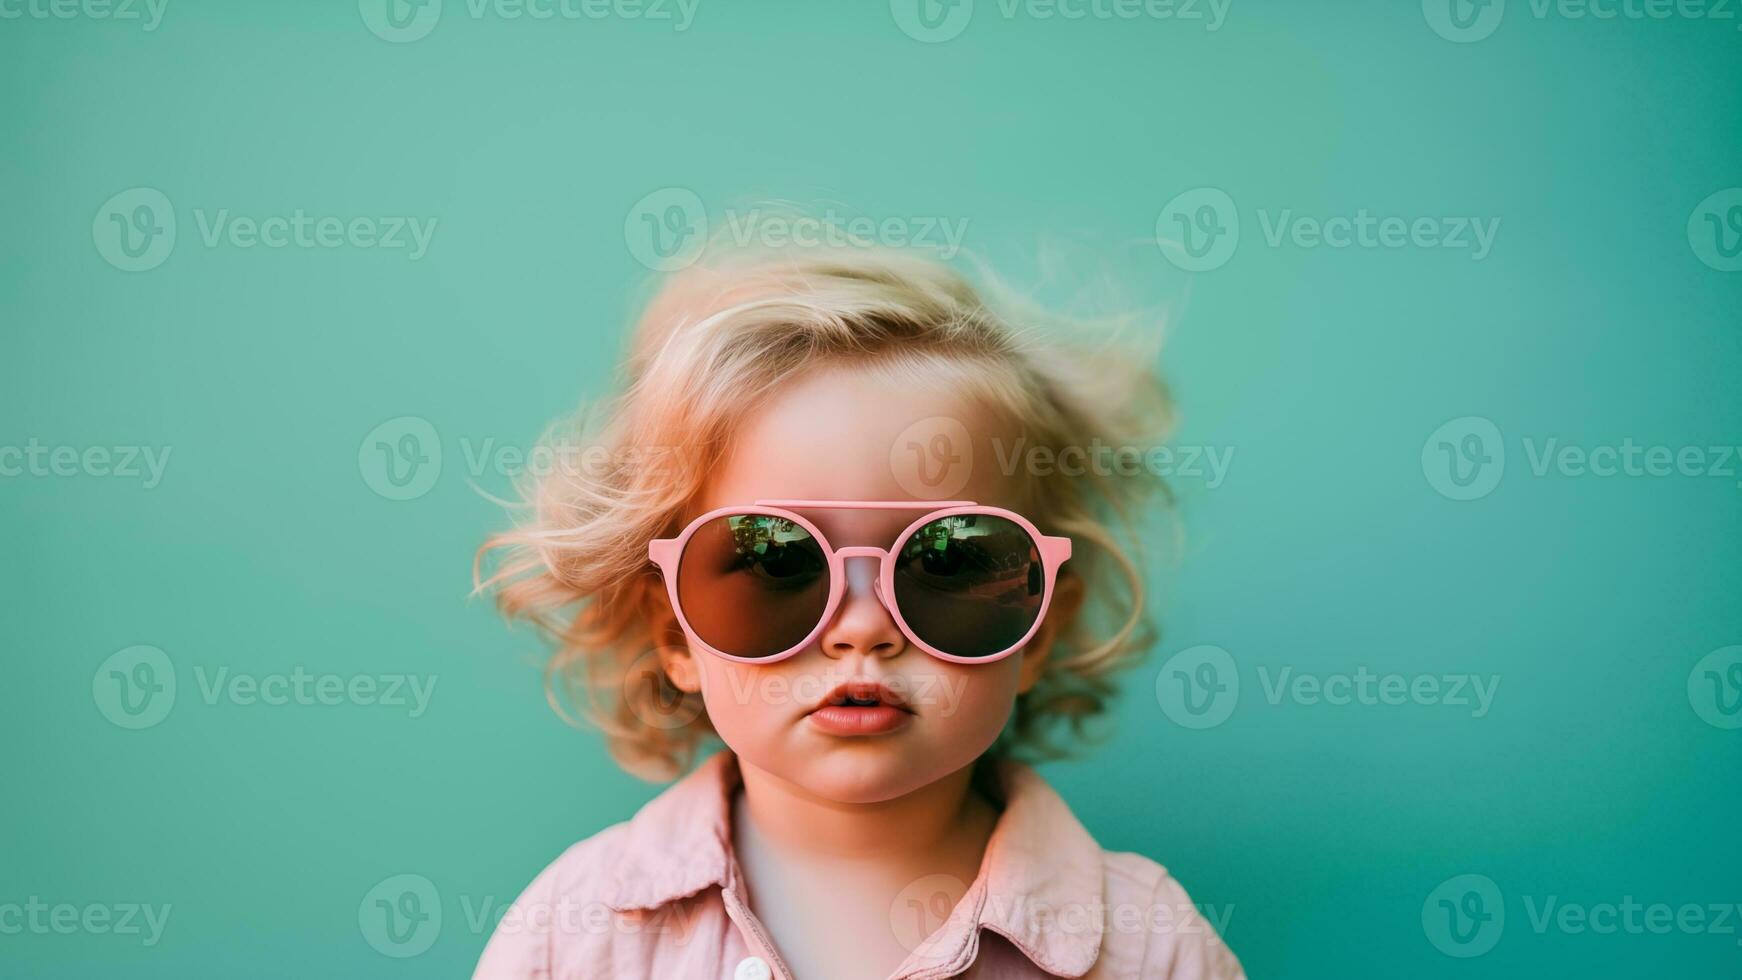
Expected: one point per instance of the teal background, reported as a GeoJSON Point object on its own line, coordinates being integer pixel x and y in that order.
{"type": "Point", "coordinates": [1326, 549]}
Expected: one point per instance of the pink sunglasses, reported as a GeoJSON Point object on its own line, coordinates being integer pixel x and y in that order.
{"type": "Point", "coordinates": [965, 583]}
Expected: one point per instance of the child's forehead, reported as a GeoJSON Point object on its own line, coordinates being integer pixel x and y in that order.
{"type": "Point", "coordinates": [865, 442]}
{"type": "Point", "coordinates": [848, 433]}
{"type": "Point", "coordinates": [845, 524]}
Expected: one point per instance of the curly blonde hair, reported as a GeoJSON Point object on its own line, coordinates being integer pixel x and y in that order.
{"type": "Point", "coordinates": [575, 564]}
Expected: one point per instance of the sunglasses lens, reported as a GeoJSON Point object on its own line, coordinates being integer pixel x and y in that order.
{"type": "Point", "coordinates": [971, 585]}
{"type": "Point", "coordinates": [752, 585]}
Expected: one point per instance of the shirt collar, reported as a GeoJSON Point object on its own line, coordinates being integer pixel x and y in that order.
{"type": "Point", "coordinates": [1039, 886]}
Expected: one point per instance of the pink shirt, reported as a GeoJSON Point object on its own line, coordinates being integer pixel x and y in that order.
{"type": "Point", "coordinates": [661, 895]}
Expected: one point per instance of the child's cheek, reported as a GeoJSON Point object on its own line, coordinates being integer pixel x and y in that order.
{"type": "Point", "coordinates": [972, 702]}
{"type": "Point", "coordinates": [743, 701]}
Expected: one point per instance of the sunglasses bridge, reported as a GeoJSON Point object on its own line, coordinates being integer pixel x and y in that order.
{"type": "Point", "coordinates": [863, 551]}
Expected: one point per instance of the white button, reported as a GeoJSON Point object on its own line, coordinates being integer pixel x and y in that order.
{"type": "Point", "coordinates": [752, 968]}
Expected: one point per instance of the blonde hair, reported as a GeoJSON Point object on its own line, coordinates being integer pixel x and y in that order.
{"type": "Point", "coordinates": [742, 322]}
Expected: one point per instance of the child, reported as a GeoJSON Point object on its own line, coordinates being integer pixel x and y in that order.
{"type": "Point", "coordinates": [830, 522]}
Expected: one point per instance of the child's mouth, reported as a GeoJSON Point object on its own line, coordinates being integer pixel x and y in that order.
{"type": "Point", "coordinates": [860, 708]}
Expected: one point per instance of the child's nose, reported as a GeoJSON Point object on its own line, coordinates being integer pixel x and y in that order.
{"type": "Point", "coordinates": [863, 624]}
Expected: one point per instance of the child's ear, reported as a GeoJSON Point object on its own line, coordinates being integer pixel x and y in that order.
{"type": "Point", "coordinates": [1067, 601]}
{"type": "Point", "coordinates": [675, 657]}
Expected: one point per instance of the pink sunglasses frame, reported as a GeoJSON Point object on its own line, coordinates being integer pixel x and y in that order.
{"type": "Point", "coordinates": [668, 552]}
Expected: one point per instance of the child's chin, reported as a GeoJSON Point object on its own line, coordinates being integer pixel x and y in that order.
{"type": "Point", "coordinates": [866, 780]}
{"type": "Point", "coordinates": [870, 771]}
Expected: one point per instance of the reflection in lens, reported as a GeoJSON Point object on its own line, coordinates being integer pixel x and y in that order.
{"type": "Point", "coordinates": [969, 585]}
{"type": "Point", "coordinates": [752, 585]}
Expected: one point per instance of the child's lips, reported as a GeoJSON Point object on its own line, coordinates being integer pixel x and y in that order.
{"type": "Point", "coordinates": [841, 719]}
{"type": "Point", "coordinates": [860, 708]}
